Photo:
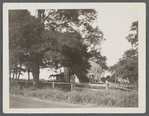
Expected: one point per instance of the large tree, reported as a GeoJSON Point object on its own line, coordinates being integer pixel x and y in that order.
{"type": "Point", "coordinates": [50, 38]}
{"type": "Point", "coordinates": [16, 20]}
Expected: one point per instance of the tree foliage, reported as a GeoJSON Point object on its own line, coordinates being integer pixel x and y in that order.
{"type": "Point", "coordinates": [133, 37]}
{"type": "Point", "coordinates": [16, 20]}
{"type": "Point", "coordinates": [52, 38]}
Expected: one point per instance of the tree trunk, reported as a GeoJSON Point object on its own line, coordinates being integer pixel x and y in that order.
{"type": "Point", "coordinates": [66, 74]}
{"type": "Point", "coordinates": [28, 74]}
{"type": "Point", "coordinates": [35, 73]}
{"type": "Point", "coordinates": [13, 74]}
{"type": "Point", "coordinates": [69, 73]}
{"type": "Point", "coordinates": [19, 75]}
{"type": "Point", "coordinates": [10, 75]}
{"type": "Point", "coordinates": [16, 74]}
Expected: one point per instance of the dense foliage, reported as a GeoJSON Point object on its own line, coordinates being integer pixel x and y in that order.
{"type": "Point", "coordinates": [58, 37]}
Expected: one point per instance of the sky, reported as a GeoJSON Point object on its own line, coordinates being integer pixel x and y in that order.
{"type": "Point", "coordinates": [115, 24]}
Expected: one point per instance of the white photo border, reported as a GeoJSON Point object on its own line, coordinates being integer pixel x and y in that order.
{"type": "Point", "coordinates": [142, 56]}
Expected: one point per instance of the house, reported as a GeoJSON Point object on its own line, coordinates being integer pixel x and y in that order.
{"type": "Point", "coordinates": [62, 74]}
{"type": "Point", "coordinates": [74, 78]}
{"type": "Point", "coordinates": [95, 72]}
{"type": "Point", "coordinates": [52, 78]}
{"type": "Point", "coordinates": [56, 77]}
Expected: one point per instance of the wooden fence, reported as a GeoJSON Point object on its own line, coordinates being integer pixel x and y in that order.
{"type": "Point", "coordinates": [102, 87]}
{"type": "Point", "coordinates": [61, 85]}
{"type": "Point", "coordinates": [77, 86]}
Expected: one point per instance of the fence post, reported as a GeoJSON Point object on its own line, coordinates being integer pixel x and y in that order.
{"type": "Point", "coordinates": [53, 85]}
{"type": "Point", "coordinates": [74, 86]}
{"type": "Point", "coordinates": [71, 86]}
{"type": "Point", "coordinates": [107, 85]}
{"type": "Point", "coordinates": [118, 83]}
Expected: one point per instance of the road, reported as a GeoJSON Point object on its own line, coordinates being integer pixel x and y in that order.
{"type": "Point", "coordinates": [26, 102]}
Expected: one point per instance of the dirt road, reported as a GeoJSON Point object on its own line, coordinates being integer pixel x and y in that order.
{"type": "Point", "coordinates": [26, 102]}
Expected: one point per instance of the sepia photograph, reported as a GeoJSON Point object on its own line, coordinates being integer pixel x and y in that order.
{"type": "Point", "coordinates": [74, 58]}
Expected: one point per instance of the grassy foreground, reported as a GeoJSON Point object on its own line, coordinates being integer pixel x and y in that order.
{"type": "Point", "coordinates": [107, 98]}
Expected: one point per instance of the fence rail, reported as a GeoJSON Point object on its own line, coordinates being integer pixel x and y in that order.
{"type": "Point", "coordinates": [122, 88]}
{"type": "Point", "coordinates": [61, 85]}
{"type": "Point", "coordinates": [104, 86]}
{"type": "Point", "coordinates": [78, 86]}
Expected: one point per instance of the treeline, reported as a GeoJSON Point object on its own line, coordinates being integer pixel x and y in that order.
{"type": "Point", "coordinates": [127, 67]}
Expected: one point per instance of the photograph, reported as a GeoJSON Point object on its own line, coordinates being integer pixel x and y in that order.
{"type": "Point", "coordinates": [74, 58]}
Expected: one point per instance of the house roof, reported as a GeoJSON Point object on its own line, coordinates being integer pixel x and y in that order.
{"type": "Point", "coordinates": [93, 64]}
{"type": "Point", "coordinates": [57, 75]}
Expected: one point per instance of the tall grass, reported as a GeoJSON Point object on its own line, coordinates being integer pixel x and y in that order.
{"type": "Point", "coordinates": [107, 98]}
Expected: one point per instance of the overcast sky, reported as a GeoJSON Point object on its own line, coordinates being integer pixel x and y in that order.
{"type": "Point", "coordinates": [115, 24]}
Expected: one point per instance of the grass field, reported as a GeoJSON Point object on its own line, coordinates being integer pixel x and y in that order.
{"type": "Point", "coordinates": [107, 98]}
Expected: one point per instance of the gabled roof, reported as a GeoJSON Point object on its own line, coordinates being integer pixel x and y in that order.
{"type": "Point", "coordinates": [57, 75]}
{"type": "Point", "coordinates": [93, 64]}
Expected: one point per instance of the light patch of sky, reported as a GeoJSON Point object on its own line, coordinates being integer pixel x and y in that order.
{"type": "Point", "coordinates": [32, 11]}
{"type": "Point", "coordinates": [115, 23]}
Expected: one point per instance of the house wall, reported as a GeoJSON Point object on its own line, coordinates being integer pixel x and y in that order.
{"type": "Point", "coordinates": [94, 74]}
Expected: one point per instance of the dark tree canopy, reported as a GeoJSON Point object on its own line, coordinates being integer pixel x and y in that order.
{"type": "Point", "coordinates": [52, 39]}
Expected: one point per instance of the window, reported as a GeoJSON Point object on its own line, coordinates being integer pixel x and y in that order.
{"type": "Point", "coordinates": [97, 76]}
{"type": "Point", "coordinates": [90, 76]}
{"type": "Point", "coordinates": [97, 70]}
{"type": "Point", "coordinates": [94, 69]}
